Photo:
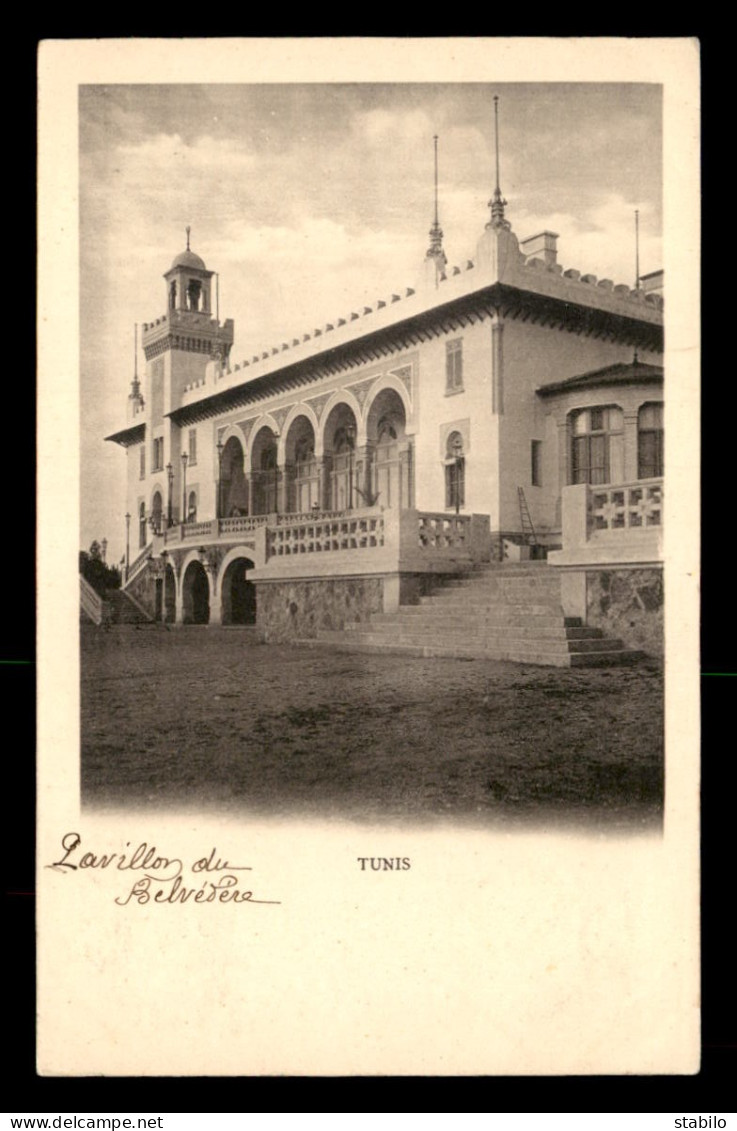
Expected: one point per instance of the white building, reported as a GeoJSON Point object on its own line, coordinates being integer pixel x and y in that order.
{"type": "Point", "coordinates": [503, 409]}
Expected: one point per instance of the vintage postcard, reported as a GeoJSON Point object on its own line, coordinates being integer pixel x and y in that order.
{"type": "Point", "coordinates": [368, 557]}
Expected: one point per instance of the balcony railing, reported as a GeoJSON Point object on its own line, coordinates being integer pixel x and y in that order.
{"type": "Point", "coordinates": [375, 537]}
{"type": "Point", "coordinates": [326, 533]}
{"type": "Point", "coordinates": [626, 506]}
{"type": "Point", "coordinates": [612, 524]}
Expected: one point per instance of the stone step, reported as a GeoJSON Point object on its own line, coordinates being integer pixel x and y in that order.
{"type": "Point", "coordinates": [443, 622]}
{"type": "Point", "coordinates": [479, 640]}
{"type": "Point", "coordinates": [474, 602]}
{"type": "Point", "coordinates": [556, 630]}
{"type": "Point", "coordinates": [529, 655]}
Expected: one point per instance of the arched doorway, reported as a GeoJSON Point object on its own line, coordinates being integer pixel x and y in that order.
{"type": "Point", "coordinates": [264, 472]}
{"type": "Point", "coordinates": [195, 595]}
{"type": "Point", "coordinates": [340, 448]}
{"type": "Point", "coordinates": [233, 486]}
{"type": "Point", "coordinates": [238, 593]}
{"type": "Point", "coordinates": [388, 466]}
{"type": "Point", "coordinates": [303, 484]}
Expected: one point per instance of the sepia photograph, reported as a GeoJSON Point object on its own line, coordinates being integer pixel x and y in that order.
{"type": "Point", "coordinates": [372, 436]}
{"type": "Point", "coordinates": [368, 575]}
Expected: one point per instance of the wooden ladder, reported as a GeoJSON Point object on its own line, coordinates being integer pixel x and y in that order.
{"type": "Point", "coordinates": [528, 530]}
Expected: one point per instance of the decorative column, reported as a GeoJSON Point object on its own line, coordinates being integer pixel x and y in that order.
{"type": "Point", "coordinates": [406, 474]}
{"type": "Point", "coordinates": [185, 457]}
{"type": "Point", "coordinates": [324, 465]}
{"type": "Point", "coordinates": [631, 462]}
{"type": "Point", "coordinates": [285, 497]}
{"type": "Point", "coordinates": [127, 544]}
{"type": "Point", "coordinates": [564, 453]}
{"type": "Point", "coordinates": [219, 499]}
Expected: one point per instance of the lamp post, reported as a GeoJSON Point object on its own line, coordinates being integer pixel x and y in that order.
{"type": "Point", "coordinates": [170, 477]}
{"type": "Point", "coordinates": [351, 437]}
{"type": "Point", "coordinates": [164, 556]}
{"type": "Point", "coordinates": [220, 479]}
{"type": "Point", "coordinates": [127, 543]}
{"type": "Point", "coordinates": [276, 473]}
{"type": "Point", "coordinates": [185, 457]}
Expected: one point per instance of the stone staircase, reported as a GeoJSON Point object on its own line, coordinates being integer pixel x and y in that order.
{"type": "Point", "coordinates": [124, 610]}
{"type": "Point", "coordinates": [498, 612]}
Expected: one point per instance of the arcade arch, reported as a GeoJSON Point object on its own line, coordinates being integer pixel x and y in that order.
{"type": "Point", "coordinates": [195, 594]}
{"type": "Point", "coordinates": [233, 491]}
{"type": "Point", "coordinates": [237, 592]}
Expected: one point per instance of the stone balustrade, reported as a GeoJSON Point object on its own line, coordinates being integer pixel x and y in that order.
{"type": "Point", "coordinates": [351, 530]}
{"type": "Point", "coordinates": [611, 524]}
{"type": "Point", "coordinates": [138, 563]}
{"type": "Point", "coordinates": [626, 506]}
{"type": "Point", "coordinates": [90, 601]}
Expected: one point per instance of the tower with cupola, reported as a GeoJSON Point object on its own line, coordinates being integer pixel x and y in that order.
{"type": "Point", "coordinates": [178, 346]}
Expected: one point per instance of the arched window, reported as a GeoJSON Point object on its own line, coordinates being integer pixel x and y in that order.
{"type": "Point", "coordinates": [593, 432]}
{"type": "Point", "coordinates": [142, 525]}
{"type": "Point", "coordinates": [156, 512]}
{"type": "Point", "coordinates": [650, 441]}
{"type": "Point", "coordinates": [192, 507]}
{"type": "Point", "coordinates": [455, 472]}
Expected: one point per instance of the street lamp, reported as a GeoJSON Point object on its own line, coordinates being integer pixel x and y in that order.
{"type": "Point", "coordinates": [170, 477]}
{"type": "Point", "coordinates": [220, 478]}
{"type": "Point", "coordinates": [185, 457]}
{"type": "Point", "coordinates": [127, 543]}
{"type": "Point", "coordinates": [276, 472]}
{"type": "Point", "coordinates": [351, 436]}
{"type": "Point", "coordinates": [164, 556]}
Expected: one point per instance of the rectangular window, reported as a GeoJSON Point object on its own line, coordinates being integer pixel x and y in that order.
{"type": "Point", "coordinates": [650, 442]}
{"type": "Point", "coordinates": [454, 366]}
{"type": "Point", "coordinates": [192, 446]}
{"type": "Point", "coordinates": [158, 464]}
{"type": "Point", "coordinates": [536, 467]}
{"type": "Point", "coordinates": [142, 467]}
{"type": "Point", "coordinates": [593, 430]}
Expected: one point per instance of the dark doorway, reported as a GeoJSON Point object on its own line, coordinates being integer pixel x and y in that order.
{"type": "Point", "coordinates": [196, 595]}
{"type": "Point", "coordinates": [239, 594]}
{"type": "Point", "coordinates": [159, 599]}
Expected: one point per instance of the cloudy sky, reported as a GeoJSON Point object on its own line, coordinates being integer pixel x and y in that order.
{"type": "Point", "coordinates": [307, 199]}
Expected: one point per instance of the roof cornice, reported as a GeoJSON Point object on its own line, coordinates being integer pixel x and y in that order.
{"type": "Point", "coordinates": [498, 300]}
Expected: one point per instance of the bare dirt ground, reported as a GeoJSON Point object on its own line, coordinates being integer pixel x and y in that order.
{"type": "Point", "coordinates": [206, 718]}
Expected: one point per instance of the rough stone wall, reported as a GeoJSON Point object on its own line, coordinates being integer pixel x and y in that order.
{"type": "Point", "coordinates": [294, 610]}
{"type": "Point", "coordinates": [628, 603]}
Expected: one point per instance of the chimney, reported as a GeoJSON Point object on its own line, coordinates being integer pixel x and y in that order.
{"type": "Point", "coordinates": [542, 246]}
{"type": "Point", "coordinates": [652, 284]}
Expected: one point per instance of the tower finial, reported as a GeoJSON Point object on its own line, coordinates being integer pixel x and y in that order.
{"type": "Point", "coordinates": [135, 383]}
{"type": "Point", "coordinates": [188, 229]}
{"type": "Point", "coordinates": [497, 203]}
{"type": "Point", "coordinates": [435, 250]}
{"type": "Point", "coordinates": [637, 249]}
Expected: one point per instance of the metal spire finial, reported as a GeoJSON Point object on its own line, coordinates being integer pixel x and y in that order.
{"type": "Point", "coordinates": [188, 230]}
{"type": "Point", "coordinates": [637, 249]}
{"type": "Point", "coordinates": [497, 203]}
{"type": "Point", "coordinates": [435, 250]}
{"type": "Point", "coordinates": [135, 383]}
